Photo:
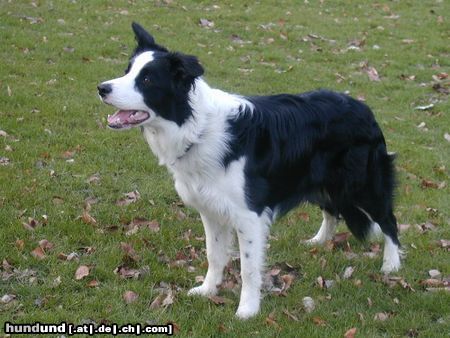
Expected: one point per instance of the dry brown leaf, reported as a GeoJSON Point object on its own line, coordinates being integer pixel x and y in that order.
{"type": "Point", "coordinates": [20, 244]}
{"type": "Point", "coordinates": [222, 328]}
{"type": "Point", "coordinates": [93, 179]}
{"type": "Point", "coordinates": [157, 302]}
{"type": "Point", "coordinates": [287, 281]}
{"type": "Point", "coordinates": [270, 320]}
{"type": "Point", "coordinates": [87, 218]}
{"type": "Point", "coordinates": [425, 183]}
{"type": "Point", "coordinates": [126, 272]}
{"type": "Point", "coordinates": [304, 216]}
{"type": "Point", "coordinates": [130, 253]}
{"type": "Point", "coordinates": [46, 245]}
{"type": "Point", "coordinates": [218, 300]}
{"type": "Point", "coordinates": [31, 224]}
{"type": "Point", "coordinates": [38, 253]}
{"type": "Point", "coordinates": [130, 197]}
{"type": "Point", "coordinates": [431, 282]}
{"type": "Point", "coordinates": [319, 321]}
{"type": "Point", "coordinates": [381, 316]}
{"type": "Point", "coordinates": [81, 272]}
{"type": "Point", "coordinates": [130, 296]}
{"type": "Point", "coordinates": [93, 283]}
{"type": "Point", "coordinates": [341, 237]}
{"type": "Point", "coordinates": [350, 333]}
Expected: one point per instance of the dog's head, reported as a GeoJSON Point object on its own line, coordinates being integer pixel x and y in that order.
{"type": "Point", "coordinates": [156, 83]}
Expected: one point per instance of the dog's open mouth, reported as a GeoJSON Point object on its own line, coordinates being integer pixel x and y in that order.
{"type": "Point", "coordinates": [127, 118]}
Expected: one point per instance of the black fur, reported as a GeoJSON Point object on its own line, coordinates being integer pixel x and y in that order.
{"type": "Point", "coordinates": [166, 82]}
{"type": "Point", "coordinates": [320, 147]}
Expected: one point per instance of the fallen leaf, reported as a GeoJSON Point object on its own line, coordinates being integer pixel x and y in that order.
{"type": "Point", "coordinates": [304, 216]}
{"type": "Point", "coordinates": [350, 333]}
{"type": "Point", "coordinates": [425, 227]}
{"type": "Point", "coordinates": [157, 302]}
{"type": "Point", "coordinates": [130, 197]}
{"type": "Point", "coordinates": [428, 184]}
{"type": "Point", "coordinates": [31, 224]}
{"type": "Point", "coordinates": [46, 245]}
{"type": "Point", "coordinates": [348, 272]}
{"type": "Point", "coordinates": [222, 328]}
{"type": "Point", "coordinates": [287, 281]}
{"type": "Point", "coordinates": [93, 283]}
{"type": "Point", "coordinates": [126, 272]}
{"type": "Point", "coordinates": [403, 227]}
{"type": "Point", "coordinates": [139, 223]}
{"type": "Point", "coordinates": [38, 253]}
{"type": "Point", "coordinates": [319, 321]}
{"type": "Point", "coordinates": [341, 237]}
{"type": "Point", "coordinates": [381, 316]}
{"type": "Point", "coordinates": [219, 300]}
{"type": "Point", "coordinates": [431, 282]}
{"type": "Point", "coordinates": [8, 298]}
{"type": "Point", "coordinates": [444, 243]}
{"type": "Point", "coordinates": [93, 179]}
{"type": "Point", "coordinates": [205, 23]}
{"type": "Point", "coordinates": [130, 253]}
{"type": "Point", "coordinates": [56, 282]}
{"type": "Point", "coordinates": [130, 296]}
{"type": "Point", "coordinates": [20, 244]}
{"type": "Point", "coordinates": [81, 272]}
{"type": "Point", "coordinates": [308, 304]}
{"type": "Point", "coordinates": [434, 273]}
{"type": "Point", "coordinates": [270, 320]}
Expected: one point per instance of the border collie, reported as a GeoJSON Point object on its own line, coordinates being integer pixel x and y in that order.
{"type": "Point", "coordinates": [244, 161]}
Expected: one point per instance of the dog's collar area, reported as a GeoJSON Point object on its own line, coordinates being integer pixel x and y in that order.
{"type": "Point", "coordinates": [189, 147]}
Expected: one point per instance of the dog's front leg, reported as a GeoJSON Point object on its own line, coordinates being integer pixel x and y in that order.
{"type": "Point", "coordinates": [218, 243]}
{"type": "Point", "coordinates": [252, 245]}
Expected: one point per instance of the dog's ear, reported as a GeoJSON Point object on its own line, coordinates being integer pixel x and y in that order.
{"type": "Point", "coordinates": [145, 40]}
{"type": "Point", "coordinates": [185, 68]}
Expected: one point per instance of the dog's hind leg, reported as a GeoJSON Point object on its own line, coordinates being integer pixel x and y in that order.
{"type": "Point", "coordinates": [386, 225]}
{"type": "Point", "coordinates": [327, 229]}
{"type": "Point", "coordinates": [218, 246]}
{"type": "Point", "coordinates": [392, 252]}
{"type": "Point", "coordinates": [252, 235]}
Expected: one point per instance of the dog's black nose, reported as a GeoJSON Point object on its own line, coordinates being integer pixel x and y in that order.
{"type": "Point", "coordinates": [104, 89]}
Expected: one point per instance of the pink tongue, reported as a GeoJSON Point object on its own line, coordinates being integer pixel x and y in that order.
{"type": "Point", "coordinates": [124, 117]}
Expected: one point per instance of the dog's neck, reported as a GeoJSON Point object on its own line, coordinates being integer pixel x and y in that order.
{"type": "Point", "coordinates": [202, 133]}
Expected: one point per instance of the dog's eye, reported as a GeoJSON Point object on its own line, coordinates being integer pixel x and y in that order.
{"type": "Point", "coordinates": [146, 80]}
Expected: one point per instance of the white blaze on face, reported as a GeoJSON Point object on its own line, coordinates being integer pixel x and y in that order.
{"type": "Point", "coordinates": [124, 94]}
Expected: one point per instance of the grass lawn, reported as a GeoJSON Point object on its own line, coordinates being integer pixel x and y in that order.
{"type": "Point", "coordinates": [64, 176]}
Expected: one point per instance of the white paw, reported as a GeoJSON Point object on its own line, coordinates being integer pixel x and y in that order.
{"type": "Point", "coordinates": [390, 266]}
{"type": "Point", "coordinates": [202, 290]}
{"type": "Point", "coordinates": [245, 312]}
{"type": "Point", "coordinates": [315, 241]}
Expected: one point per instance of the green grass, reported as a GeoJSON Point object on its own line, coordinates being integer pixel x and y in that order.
{"type": "Point", "coordinates": [48, 77]}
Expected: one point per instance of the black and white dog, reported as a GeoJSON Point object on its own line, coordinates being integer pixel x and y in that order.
{"type": "Point", "coordinates": [244, 161]}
